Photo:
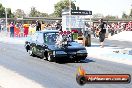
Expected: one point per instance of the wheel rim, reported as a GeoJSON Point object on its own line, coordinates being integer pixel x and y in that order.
{"type": "Point", "coordinates": [30, 52]}
{"type": "Point", "coordinates": [49, 58]}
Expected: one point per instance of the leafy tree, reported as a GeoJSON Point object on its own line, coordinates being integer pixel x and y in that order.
{"type": "Point", "coordinates": [43, 15]}
{"type": "Point", "coordinates": [35, 13]}
{"type": "Point", "coordinates": [130, 15]}
{"type": "Point", "coordinates": [9, 13]}
{"type": "Point", "coordinates": [124, 15]}
{"type": "Point", "coordinates": [52, 15]}
{"type": "Point", "coordinates": [2, 11]}
{"type": "Point", "coordinates": [98, 15]}
{"type": "Point", "coordinates": [19, 13]}
{"type": "Point", "coordinates": [62, 5]}
{"type": "Point", "coordinates": [111, 17]}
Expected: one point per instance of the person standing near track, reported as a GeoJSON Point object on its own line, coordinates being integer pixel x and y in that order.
{"type": "Point", "coordinates": [38, 26]}
{"type": "Point", "coordinates": [12, 29]}
{"type": "Point", "coordinates": [102, 32]}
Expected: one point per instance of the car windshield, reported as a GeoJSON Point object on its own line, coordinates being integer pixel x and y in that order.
{"type": "Point", "coordinates": [50, 38]}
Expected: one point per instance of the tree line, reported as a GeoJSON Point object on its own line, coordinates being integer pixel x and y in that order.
{"type": "Point", "coordinates": [19, 13]}
{"type": "Point", "coordinates": [124, 16]}
{"type": "Point", "coordinates": [127, 16]}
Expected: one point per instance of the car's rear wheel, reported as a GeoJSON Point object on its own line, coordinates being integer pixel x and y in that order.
{"type": "Point", "coordinates": [42, 55]}
{"type": "Point", "coordinates": [30, 51]}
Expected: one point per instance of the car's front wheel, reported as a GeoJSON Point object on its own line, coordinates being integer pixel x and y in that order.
{"type": "Point", "coordinates": [27, 47]}
{"type": "Point", "coordinates": [50, 58]}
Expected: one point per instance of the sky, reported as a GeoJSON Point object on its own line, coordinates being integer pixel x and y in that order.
{"type": "Point", "coordinates": [105, 7]}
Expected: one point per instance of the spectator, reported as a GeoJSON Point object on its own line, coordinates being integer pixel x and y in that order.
{"type": "Point", "coordinates": [59, 27]}
{"type": "Point", "coordinates": [12, 29]}
{"type": "Point", "coordinates": [38, 26]}
{"type": "Point", "coordinates": [26, 29]}
{"type": "Point", "coordinates": [94, 31]}
{"type": "Point", "coordinates": [21, 30]}
{"type": "Point", "coordinates": [102, 32]}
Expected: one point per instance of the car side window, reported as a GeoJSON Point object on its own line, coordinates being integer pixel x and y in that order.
{"type": "Point", "coordinates": [34, 37]}
{"type": "Point", "coordinates": [40, 38]}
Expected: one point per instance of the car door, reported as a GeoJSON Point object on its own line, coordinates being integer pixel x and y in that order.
{"type": "Point", "coordinates": [40, 44]}
{"type": "Point", "coordinates": [33, 43]}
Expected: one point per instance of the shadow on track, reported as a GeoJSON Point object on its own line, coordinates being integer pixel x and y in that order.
{"type": "Point", "coordinates": [87, 60]}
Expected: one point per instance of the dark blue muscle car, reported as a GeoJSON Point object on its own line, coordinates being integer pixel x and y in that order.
{"type": "Point", "coordinates": [43, 44]}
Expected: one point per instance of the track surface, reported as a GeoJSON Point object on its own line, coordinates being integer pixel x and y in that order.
{"type": "Point", "coordinates": [55, 75]}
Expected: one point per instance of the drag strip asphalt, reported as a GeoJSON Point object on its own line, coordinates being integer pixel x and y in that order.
{"type": "Point", "coordinates": [55, 75]}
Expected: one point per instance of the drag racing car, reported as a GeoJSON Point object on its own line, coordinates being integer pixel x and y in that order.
{"type": "Point", "coordinates": [53, 46]}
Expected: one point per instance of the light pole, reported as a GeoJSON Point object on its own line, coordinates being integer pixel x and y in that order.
{"type": "Point", "coordinates": [6, 17]}
{"type": "Point", "coordinates": [69, 15]}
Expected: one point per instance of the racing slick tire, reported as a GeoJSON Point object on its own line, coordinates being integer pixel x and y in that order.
{"type": "Point", "coordinates": [50, 58]}
{"type": "Point", "coordinates": [31, 52]}
{"type": "Point", "coordinates": [42, 56]}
